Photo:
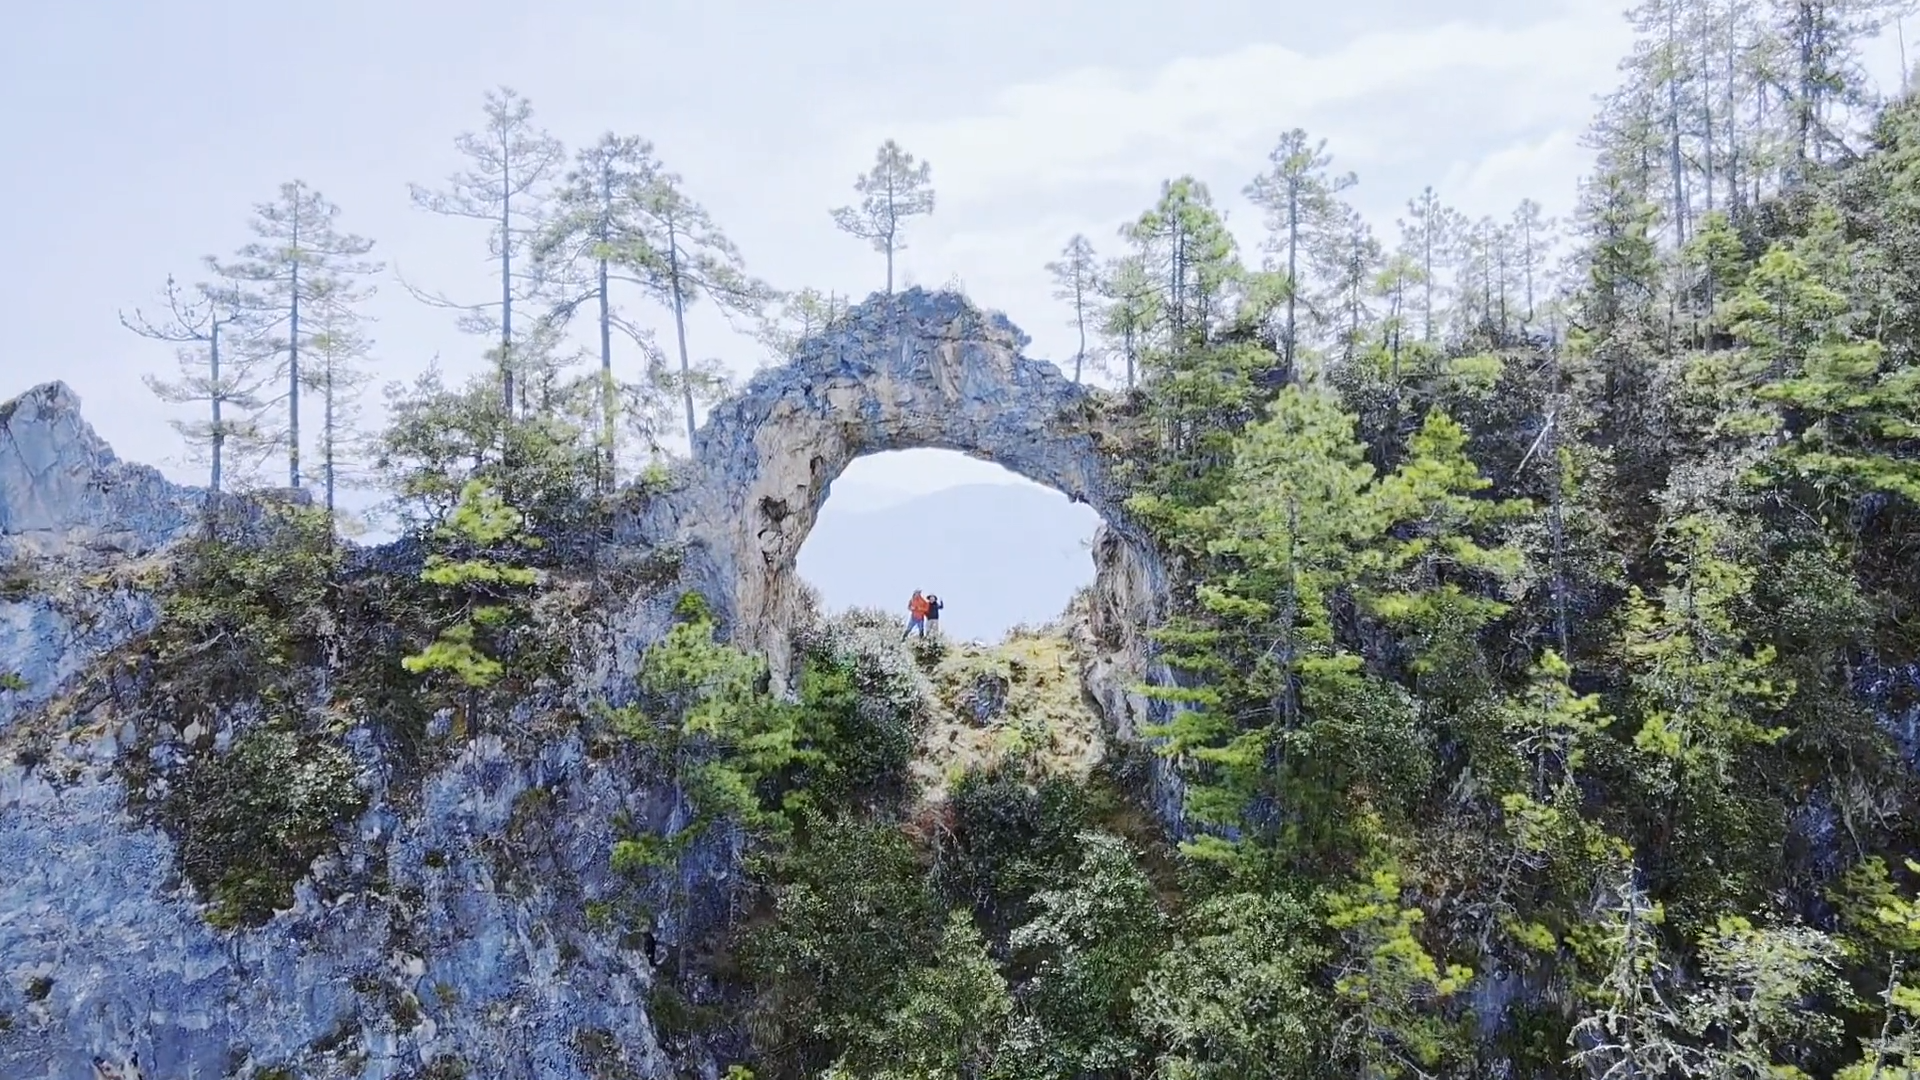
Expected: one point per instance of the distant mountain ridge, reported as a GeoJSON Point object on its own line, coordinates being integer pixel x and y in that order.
{"type": "Point", "coordinates": [998, 554]}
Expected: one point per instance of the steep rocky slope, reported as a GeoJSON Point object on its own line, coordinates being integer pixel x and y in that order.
{"type": "Point", "coordinates": [451, 921]}
{"type": "Point", "coordinates": [446, 937]}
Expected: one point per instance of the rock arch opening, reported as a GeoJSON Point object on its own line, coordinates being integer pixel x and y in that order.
{"type": "Point", "coordinates": [1001, 551]}
{"type": "Point", "coordinates": [916, 370]}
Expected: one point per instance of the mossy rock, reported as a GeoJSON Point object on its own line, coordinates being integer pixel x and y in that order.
{"type": "Point", "coordinates": [250, 822]}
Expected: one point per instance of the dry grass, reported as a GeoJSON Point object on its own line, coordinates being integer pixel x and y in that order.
{"type": "Point", "coordinates": [1021, 698]}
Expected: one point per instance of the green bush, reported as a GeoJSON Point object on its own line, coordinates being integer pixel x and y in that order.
{"type": "Point", "coordinates": [251, 822]}
{"type": "Point", "coordinates": [246, 615]}
{"type": "Point", "coordinates": [867, 743]}
{"type": "Point", "coordinates": [1012, 838]}
{"type": "Point", "coordinates": [852, 917]}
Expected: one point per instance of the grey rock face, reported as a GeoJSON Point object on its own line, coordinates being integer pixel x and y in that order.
{"type": "Point", "coordinates": [447, 951]}
{"type": "Point", "coordinates": [62, 489]}
{"type": "Point", "coordinates": [46, 640]}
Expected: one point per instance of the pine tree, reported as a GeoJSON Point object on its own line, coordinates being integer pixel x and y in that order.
{"type": "Point", "coordinates": [897, 188]}
{"type": "Point", "coordinates": [1132, 310]}
{"type": "Point", "coordinates": [1663, 64]}
{"type": "Point", "coordinates": [1298, 195]}
{"type": "Point", "coordinates": [1076, 281]}
{"type": "Point", "coordinates": [1387, 976]}
{"type": "Point", "coordinates": [596, 216]}
{"type": "Point", "coordinates": [1822, 41]}
{"type": "Point", "coordinates": [680, 255]}
{"type": "Point", "coordinates": [1424, 577]}
{"type": "Point", "coordinates": [800, 315]}
{"type": "Point", "coordinates": [300, 254]}
{"type": "Point", "coordinates": [1705, 692]}
{"type": "Point", "coordinates": [482, 588]}
{"type": "Point", "coordinates": [1631, 1031]}
{"type": "Point", "coordinates": [1533, 240]}
{"type": "Point", "coordinates": [1189, 255]}
{"type": "Point", "coordinates": [336, 370]}
{"type": "Point", "coordinates": [512, 165]}
{"type": "Point", "coordinates": [1758, 983]}
{"type": "Point", "coordinates": [1428, 237]}
{"type": "Point", "coordinates": [1347, 258]}
{"type": "Point", "coordinates": [1286, 529]}
{"type": "Point", "coordinates": [229, 382]}
{"type": "Point", "coordinates": [1552, 727]}
{"type": "Point", "coordinates": [1850, 413]}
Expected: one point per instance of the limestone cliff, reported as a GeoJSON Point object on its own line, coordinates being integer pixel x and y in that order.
{"type": "Point", "coordinates": [448, 933]}
{"type": "Point", "coordinates": [63, 491]}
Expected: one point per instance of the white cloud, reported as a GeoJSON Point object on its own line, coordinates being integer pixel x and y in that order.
{"type": "Point", "coordinates": [1096, 125]}
{"type": "Point", "coordinates": [1487, 113]}
{"type": "Point", "coordinates": [1547, 169]}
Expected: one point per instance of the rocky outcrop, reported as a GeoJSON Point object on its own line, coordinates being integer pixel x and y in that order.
{"type": "Point", "coordinates": [63, 491]}
{"type": "Point", "coordinates": [901, 372]}
{"type": "Point", "coordinates": [50, 635]}
{"type": "Point", "coordinates": [451, 936]}
{"type": "Point", "coordinates": [1117, 658]}
{"type": "Point", "coordinates": [448, 933]}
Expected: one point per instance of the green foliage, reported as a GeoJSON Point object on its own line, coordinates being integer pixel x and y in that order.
{"type": "Point", "coordinates": [1012, 838]}
{"type": "Point", "coordinates": [1760, 981]}
{"type": "Point", "coordinates": [1235, 995]}
{"type": "Point", "coordinates": [438, 440]}
{"type": "Point", "coordinates": [251, 821]}
{"type": "Point", "coordinates": [1088, 946]}
{"type": "Point", "coordinates": [246, 614]}
{"type": "Point", "coordinates": [951, 1018]}
{"type": "Point", "coordinates": [483, 593]}
{"type": "Point", "coordinates": [1387, 976]}
{"type": "Point", "coordinates": [851, 917]}
{"type": "Point", "coordinates": [737, 753]}
{"type": "Point", "coordinates": [1427, 576]}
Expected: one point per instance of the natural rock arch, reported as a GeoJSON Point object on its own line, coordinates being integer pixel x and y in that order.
{"type": "Point", "coordinates": [909, 371]}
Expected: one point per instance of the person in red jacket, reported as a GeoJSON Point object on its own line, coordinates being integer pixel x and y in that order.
{"type": "Point", "coordinates": [916, 616]}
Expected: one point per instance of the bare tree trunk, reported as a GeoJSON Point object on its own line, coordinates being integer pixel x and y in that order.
{"type": "Point", "coordinates": [1676, 163]}
{"type": "Point", "coordinates": [219, 434]}
{"type": "Point", "coordinates": [606, 330]}
{"type": "Point", "coordinates": [328, 437]}
{"type": "Point", "coordinates": [1426, 239]}
{"type": "Point", "coordinates": [293, 356]}
{"type": "Point", "coordinates": [1293, 265]}
{"type": "Point", "coordinates": [506, 288]}
{"type": "Point", "coordinates": [1080, 320]}
{"type": "Point", "coordinates": [893, 223]}
{"type": "Point", "coordinates": [680, 326]}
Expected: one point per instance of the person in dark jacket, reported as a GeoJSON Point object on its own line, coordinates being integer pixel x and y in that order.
{"type": "Point", "coordinates": [934, 604]}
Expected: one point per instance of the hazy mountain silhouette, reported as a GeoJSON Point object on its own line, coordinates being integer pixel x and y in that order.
{"type": "Point", "coordinates": [998, 554]}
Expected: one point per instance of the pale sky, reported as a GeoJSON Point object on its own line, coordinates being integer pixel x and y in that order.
{"type": "Point", "coordinates": [142, 133]}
